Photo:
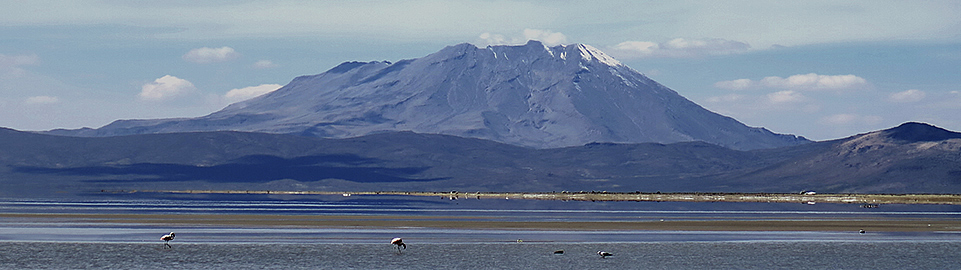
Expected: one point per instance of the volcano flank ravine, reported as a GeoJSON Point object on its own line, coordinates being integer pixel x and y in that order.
{"type": "Point", "coordinates": [528, 118]}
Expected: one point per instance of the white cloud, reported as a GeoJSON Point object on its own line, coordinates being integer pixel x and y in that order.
{"type": "Point", "coordinates": [786, 96]}
{"type": "Point", "coordinates": [7, 61]}
{"type": "Point", "coordinates": [241, 94]}
{"type": "Point", "coordinates": [781, 101]}
{"type": "Point", "coordinates": [911, 95]}
{"type": "Point", "coordinates": [211, 55]}
{"type": "Point", "coordinates": [166, 87]}
{"type": "Point", "coordinates": [547, 37]}
{"type": "Point", "coordinates": [637, 47]}
{"type": "Point", "coordinates": [264, 64]}
{"type": "Point", "coordinates": [653, 73]}
{"type": "Point", "coordinates": [815, 82]}
{"type": "Point", "coordinates": [726, 98]}
{"type": "Point", "coordinates": [679, 48]}
{"type": "Point", "coordinates": [39, 100]}
{"type": "Point", "coordinates": [761, 23]}
{"type": "Point", "coordinates": [492, 39]}
{"type": "Point", "coordinates": [810, 81]}
{"type": "Point", "coordinates": [850, 119]}
{"type": "Point", "coordinates": [709, 46]}
{"type": "Point", "coordinates": [739, 84]}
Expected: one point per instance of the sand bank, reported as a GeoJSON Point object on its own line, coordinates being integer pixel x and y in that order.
{"type": "Point", "coordinates": [462, 222]}
{"type": "Point", "coordinates": [865, 199]}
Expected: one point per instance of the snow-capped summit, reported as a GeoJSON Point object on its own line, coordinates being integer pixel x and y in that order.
{"type": "Point", "coordinates": [530, 95]}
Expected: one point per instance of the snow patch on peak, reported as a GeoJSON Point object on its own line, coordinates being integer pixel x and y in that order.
{"type": "Point", "coordinates": [588, 52]}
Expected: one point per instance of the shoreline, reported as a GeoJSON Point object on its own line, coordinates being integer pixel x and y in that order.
{"type": "Point", "coordinates": [866, 200]}
{"type": "Point", "coordinates": [469, 222]}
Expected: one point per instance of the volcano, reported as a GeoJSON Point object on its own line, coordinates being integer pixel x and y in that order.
{"type": "Point", "coordinates": [529, 95]}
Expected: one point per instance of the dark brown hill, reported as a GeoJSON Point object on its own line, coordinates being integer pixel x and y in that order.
{"type": "Point", "coordinates": [910, 158]}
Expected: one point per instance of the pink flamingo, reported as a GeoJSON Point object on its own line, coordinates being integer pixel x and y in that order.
{"type": "Point", "coordinates": [167, 239]}
{"type": "Point", "coordinates": [399, 242]}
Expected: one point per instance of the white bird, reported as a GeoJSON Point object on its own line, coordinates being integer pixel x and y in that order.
{"type": "Point", "coordinates": [167, 239]}
{"type": "Point", "coordinates": [399, 242]}
{"type": "Point", "coordinates": [604, 254]}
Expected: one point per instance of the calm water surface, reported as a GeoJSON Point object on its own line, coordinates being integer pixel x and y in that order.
{"type": "Point", "coordinates": [655, 255]}
{"type": "Point", "coordinates": [38, 244]}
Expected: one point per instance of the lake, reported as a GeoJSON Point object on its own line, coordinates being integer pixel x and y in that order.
{"type": "Point", "coordinates": [577, 255]}
{"type": "Point", "coordinates": [39, 243]}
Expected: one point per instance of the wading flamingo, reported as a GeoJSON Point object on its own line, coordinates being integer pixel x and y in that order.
{"type": "Point", "coordinates": [399, 242]}
{"type": "Point", "coordinates": [167, 239]}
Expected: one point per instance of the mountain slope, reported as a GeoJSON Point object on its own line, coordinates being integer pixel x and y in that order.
{"type": "Point", "coordinates": [55, 165]}
{"type": "Point", "coordinates": [530, 95]}
{"type": "Point", "coordinates": [911, 158]}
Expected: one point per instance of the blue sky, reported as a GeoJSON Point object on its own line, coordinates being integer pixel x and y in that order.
{"type": "Point", "coordinates": [820, 69]}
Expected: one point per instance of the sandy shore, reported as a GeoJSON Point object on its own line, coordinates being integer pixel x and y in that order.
{"type": "Point", "coordinates": [461, 222]}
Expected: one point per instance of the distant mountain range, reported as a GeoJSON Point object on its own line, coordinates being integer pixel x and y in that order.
{"type": "Point", "coordinates": [910, 158]}
{"type": "Point", "coordinates": [501, 118]}
{"type": "Point", "coordinates": [530, 95]}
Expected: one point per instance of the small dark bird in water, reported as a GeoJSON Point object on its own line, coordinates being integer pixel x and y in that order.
{"type": "Point", "coordinates": [861, 231]}
{"type": "Point", "coordinates": [604, 254]}
{"type": "Point", "coordinates": [561, 251]}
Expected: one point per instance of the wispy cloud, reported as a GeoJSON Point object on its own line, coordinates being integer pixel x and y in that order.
{"type": "Point", "coordinates": [264, 64]}
{"type": "Point", "coordinates": [760, 23]}
{"type": "Point", "coordinates": [207, 55]}
{"type": "Point", "coordinates": [746, 105]}
{"type": "Point", "coordinates": [166, 87]}
{"type": "Point", "coordinates": [739, 84]}
{"type": "Point", "coordinates": [727, 98]}
{"type": "Point", "coordinates": [802, 93]}
{"type": "Point", "coordinates": [40, 100]}
{"type": "Point", "coordinates": [907, 96]}
{"type": "Point", "coordinates": [786, 96]}
{"type": "Point", "coordinates": [813, 81]}
{"type": "Point", "coordinates": [678, 48]}
{"type": "Point", "coordinates": [11, 65]}
{"type": "Point", "coordinates": [547, 37]}
{"type": "Point", "coordinates": [241, 94]}
{"type": "Point", "coordinates": [810, 81]}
